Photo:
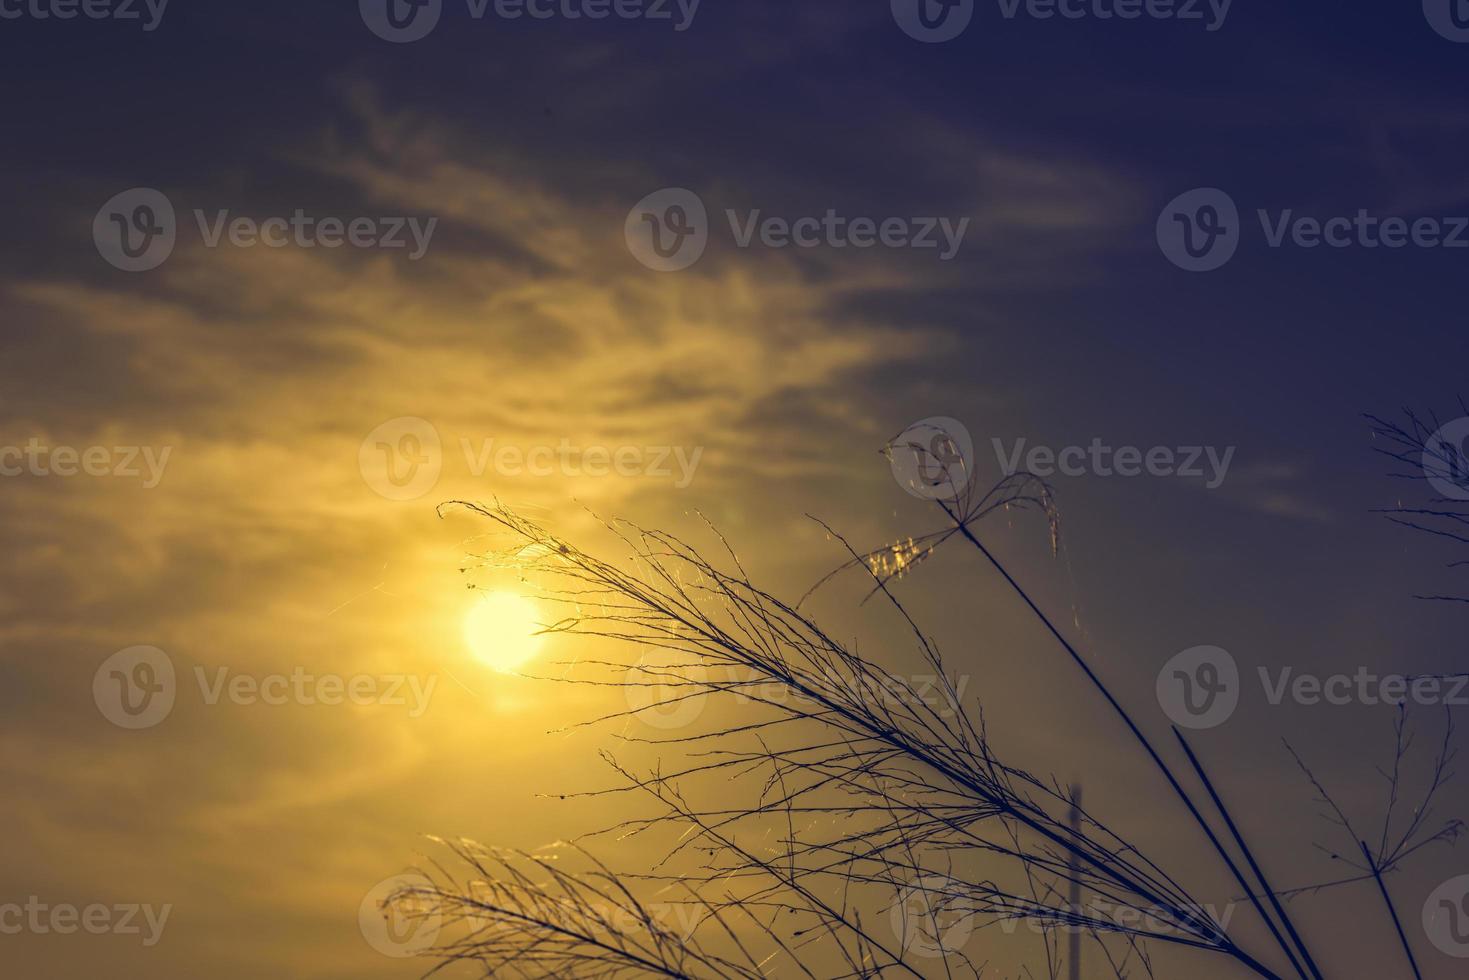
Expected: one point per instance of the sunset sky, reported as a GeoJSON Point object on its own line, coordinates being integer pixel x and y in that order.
{"type": "Point", "coordinates": [527, 355]}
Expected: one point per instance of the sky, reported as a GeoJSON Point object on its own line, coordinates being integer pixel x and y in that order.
{"type": "Point", "coordinates": [224, 442]}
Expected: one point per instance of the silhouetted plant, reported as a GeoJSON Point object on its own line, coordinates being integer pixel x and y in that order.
{"type": "Point", "coordinates": [1428, 450]}
{"type": "Point", "coordinates": [840, 793]}
{"type": "Point", "coordinates": [1399, 839]}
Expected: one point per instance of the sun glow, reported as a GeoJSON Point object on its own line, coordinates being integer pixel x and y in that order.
{"type": "Point", "coordinates": [501, 630]}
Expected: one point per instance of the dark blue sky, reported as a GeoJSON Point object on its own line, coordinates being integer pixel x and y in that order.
{"type": "Point", "coordinates": [1059, 321]}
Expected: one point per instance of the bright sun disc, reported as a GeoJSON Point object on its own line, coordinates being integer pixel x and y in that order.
{"type": "Point", "coordinates": [501, 630]}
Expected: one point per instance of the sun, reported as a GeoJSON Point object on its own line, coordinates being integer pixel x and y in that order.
{"type": "Point", "coordinates": [501, 630]}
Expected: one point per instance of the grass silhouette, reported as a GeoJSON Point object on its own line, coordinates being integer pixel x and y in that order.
{"type": "Point", "coordinates": [840, 794]}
